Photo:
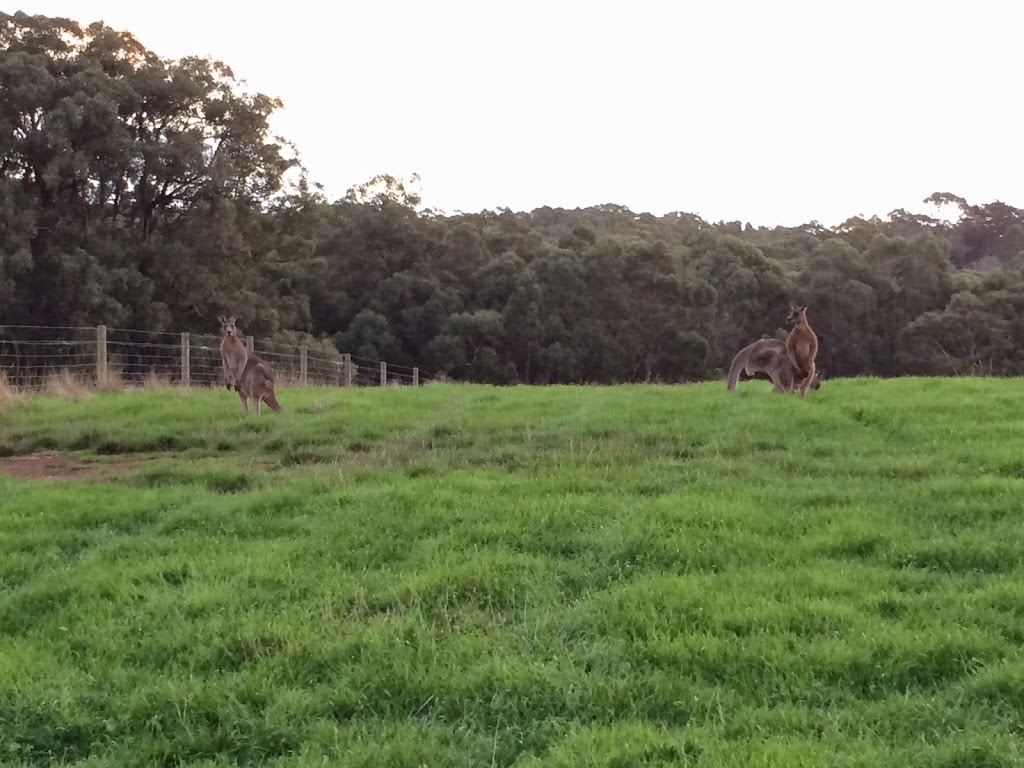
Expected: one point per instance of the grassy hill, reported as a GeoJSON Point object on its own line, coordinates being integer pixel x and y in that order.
{"type": "Point", "coordinates": [460, 575]}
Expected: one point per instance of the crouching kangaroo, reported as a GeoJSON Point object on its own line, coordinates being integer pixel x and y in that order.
{"type": "Point", "coordinates": [767, 356]}
{"type": "Point", "coordinates": [252, 378]}
{"type": "Point", "coordinates": [257, 384]}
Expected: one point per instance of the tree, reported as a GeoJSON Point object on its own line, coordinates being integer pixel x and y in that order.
{"type": "Point", "coordinates": [145, 192]}
{"type": "Point", "coordinates": [119, 158]}
{"type": "Point", "coordinates": [966, 337]}
{"type": "Point", "coordinates": [369, 337]}
{"type": "Point", "coordinates": [984, 236]}
{"type": "Point", "coordinates": [752, 292]}
{"type": "Point", "coordinates": [471, 341]}
{"type": "Point", "coordinates": [841, 291]}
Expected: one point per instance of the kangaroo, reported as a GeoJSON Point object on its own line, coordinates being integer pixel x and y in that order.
{"type": "Point", "coordinates": [257, 383]}
{"type": "Point", "coordinates": [251, 378]}
{"type": "Point", "coordinates": [767, 356]}
{"type": "Point", "coordinates": [801, 348]}
{"type": "Point", "coordinates": [233, 352]}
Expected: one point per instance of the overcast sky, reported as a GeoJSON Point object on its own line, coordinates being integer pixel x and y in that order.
{"type": "Point", "coordinates": [769, 112]}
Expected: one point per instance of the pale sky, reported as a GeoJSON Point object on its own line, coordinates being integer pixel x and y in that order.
{"type": "Point", "coordinates": [769, 112]}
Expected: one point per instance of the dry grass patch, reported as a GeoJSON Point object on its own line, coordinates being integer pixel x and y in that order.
{"type": "Point", "coordinates": [6, 393]}
{"type": "Point", "coordinates": [110, 381]}
{"type": "Point", "coordinates": [286, 380]}
{"type": "Point", "coordinates": [154, 380]}
{"type": "Point", "coordinates": [66, 386]}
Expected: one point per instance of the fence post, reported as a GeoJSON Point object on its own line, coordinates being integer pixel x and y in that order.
{"type": "Point", "coordinates": [101, 354]}
{"type": "Point", "coordinates": [186, 361]}
{"type": "Point", "coordinates": [415, 376]}
{"type": "Point", "coordinates": [383, 373]}
{"type": "Point", "coordinates": [346, 363]}
{"type": "Point", "coordinates": [303, 366]}
{"type": "Point", "coordinates": [250, 343]}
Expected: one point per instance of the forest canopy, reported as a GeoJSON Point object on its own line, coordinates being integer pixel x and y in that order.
{"type": "Point", "coordinates": [142, 192]}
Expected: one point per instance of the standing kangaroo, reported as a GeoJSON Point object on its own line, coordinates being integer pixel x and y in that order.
{"type": "Point", "coordinates": [233, 352]}
{"type": "Point", "coordinates": [252, 378]}
{"type": "Point", "coordinates": [801, 348]}
{"type": "Point", "coordinates": [767, 356]}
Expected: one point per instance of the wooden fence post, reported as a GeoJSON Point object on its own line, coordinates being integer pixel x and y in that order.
{"type": "Point", "coordinates": [250, 343]}
{"type": "Point", "coordinates": [383, 373]}
{"type": "Point", "coordinates": [415, 377]}
{"type": "Point", "coordinates": [303, 366]}
{"type": "Point", "coordinates": [346, 364]}
{"type": "Point", "coordinates": [186, 360]}
{"type": "Point", "coordinates": [101, 354]}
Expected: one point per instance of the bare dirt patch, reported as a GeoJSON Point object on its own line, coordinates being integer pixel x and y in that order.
{"type": "Point", "coordinates": [52, 465]}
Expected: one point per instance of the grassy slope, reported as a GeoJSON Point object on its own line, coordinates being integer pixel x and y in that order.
{"type": "Point", "coordinates": [543, 577]}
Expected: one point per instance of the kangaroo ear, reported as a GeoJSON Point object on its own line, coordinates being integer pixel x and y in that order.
{"type": "Point", "coordinates": [220, 319]}
{"type": "Point", "coordinates": [231, 319]}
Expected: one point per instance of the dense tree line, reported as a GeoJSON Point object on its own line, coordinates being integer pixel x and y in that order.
{"type": "Point", "coordinates": [141, 192]}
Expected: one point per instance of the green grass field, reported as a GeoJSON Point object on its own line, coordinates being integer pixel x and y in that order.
{"type": "Point", "coordinates": [472, 576]}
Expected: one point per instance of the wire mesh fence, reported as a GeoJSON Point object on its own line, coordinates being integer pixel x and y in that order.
{"type": "Point", "coordinates": [31, 355]}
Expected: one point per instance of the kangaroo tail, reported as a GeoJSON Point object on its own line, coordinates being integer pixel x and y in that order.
{"type": "Point", "coordinates": [271, 400]}
{"type": "Point", "coordinates": [737, 365]}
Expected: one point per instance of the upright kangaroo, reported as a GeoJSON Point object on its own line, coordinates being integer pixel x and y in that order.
{"type": "Point", "coordinates": [233, 352]}
{"type": "Point", "coordinates": [801, 348]}
{"type": "Point", "coordinates": [252, 378]}
{"type": "Point", "coordinates": [767, 356]}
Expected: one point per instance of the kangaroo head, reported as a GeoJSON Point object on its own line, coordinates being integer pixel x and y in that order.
{"type": "Point", "coordinates": [816, 381]}
{"type": "Point", "coordinates": [797, 314]}
{"type": "Point", "coordinates": [227, 325]}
